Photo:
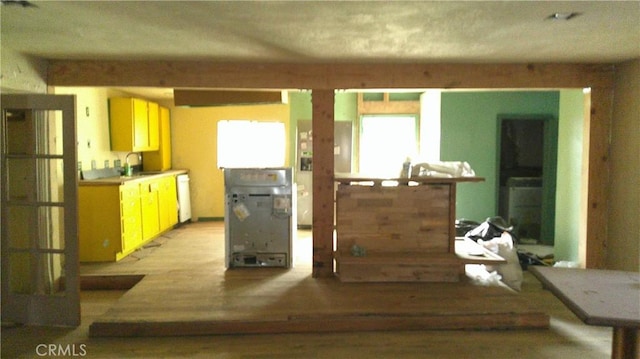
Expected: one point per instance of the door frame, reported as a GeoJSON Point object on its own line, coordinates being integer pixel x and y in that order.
{"type": "Point", "coordinates": [549, 169]}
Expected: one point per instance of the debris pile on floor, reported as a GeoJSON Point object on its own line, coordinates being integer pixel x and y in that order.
{"type": "Point", "coordinates": [496, 235]}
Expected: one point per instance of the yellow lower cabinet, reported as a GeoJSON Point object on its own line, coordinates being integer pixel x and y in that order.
{"type": "Point", "coordinates": [99, 223]}
{"type": "Point", "coordinates": [109, 222]}
{"type": "Point", "coordinates": [150, 201]}
{"type": "Point", "coordinates": [115, 220]}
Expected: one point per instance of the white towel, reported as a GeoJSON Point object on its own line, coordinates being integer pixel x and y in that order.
{"type": "Point", "coordinates": [443, 169]}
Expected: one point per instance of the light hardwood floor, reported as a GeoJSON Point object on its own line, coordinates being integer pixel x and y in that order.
{"type": "Point", "coordinates": [566, 338]}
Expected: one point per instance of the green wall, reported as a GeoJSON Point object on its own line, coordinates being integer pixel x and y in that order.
{"type": "Point", "coordinates": [569, 178]}
{"type": "Point", "coordinates": [345, 109]}
{"type": "Point", "coordinates": [346, 106]}
{"type": "Point", "coordinates": [299, 109]}
{"type": "Point", "coordinates": [469, 132]}
{"type": "Point", "coordinates": [469, 123]}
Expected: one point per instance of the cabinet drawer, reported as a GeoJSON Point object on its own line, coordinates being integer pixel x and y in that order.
{"type": "Point", "coordinates": [130, 201]}
{"type": "Point", "coordinates": [130, 208]}
{"type": "Point", "coordinates": [129, 191]}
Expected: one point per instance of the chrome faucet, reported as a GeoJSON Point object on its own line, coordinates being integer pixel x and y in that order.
{"type": "Point", "coordinates": [126, 158]}
{"type": "Point", "coordinates": [127, 168]}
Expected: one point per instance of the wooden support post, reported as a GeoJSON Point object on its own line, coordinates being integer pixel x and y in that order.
{"type": "Point", "coordinates": [595, 191]}
{"type": "Point", "coordinates": [323, 188]}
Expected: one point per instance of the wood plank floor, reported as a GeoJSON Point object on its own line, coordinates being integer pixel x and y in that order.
{"type": "Point", "coordinates": [567, 337]}
{"type": "Point", "coordinates": [187, 291]}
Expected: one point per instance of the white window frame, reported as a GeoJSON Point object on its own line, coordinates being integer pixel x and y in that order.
{"type": "Point", "coordinates": [377, 157]}
{"type": "Point", "coordinates": [251, 144]}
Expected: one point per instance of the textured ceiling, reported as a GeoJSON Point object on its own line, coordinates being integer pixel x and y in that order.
{"type": "Point", "coordinates": [325, 31]}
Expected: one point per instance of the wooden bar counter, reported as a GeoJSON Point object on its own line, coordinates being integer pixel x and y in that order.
{"type": "Point", "coordinates": [397, 229]}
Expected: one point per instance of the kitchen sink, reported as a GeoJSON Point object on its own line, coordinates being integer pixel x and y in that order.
{"type": "Point", "coordinates": [143, 174]}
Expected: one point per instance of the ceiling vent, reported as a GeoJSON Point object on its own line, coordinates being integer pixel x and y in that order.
{"type": "Point", "coordinates": [563, 16]}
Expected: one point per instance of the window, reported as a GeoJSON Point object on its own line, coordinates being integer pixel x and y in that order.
{"type": "Point", "coordinates": [246, 144]}
{"type": "Point", "coordinates": [385, 142]}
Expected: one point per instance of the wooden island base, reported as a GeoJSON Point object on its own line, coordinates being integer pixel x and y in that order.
{"type": "Point", "coordinates": [399, 268]}
{"type": "Point", "coordinates": [397, 233]}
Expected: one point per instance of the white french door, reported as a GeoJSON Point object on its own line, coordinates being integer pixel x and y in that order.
{"type": "Point", "coordinates": [40, 280]}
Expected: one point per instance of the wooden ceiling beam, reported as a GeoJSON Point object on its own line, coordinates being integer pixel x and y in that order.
{"type": "Point", "coordinates": [187, 74]}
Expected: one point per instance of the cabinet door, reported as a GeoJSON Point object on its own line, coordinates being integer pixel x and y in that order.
{"type": "Point", "coordinates": [160, 160]}
{"type": "Point", "coordinates": [165, 138]}
{"type": "Point", "coordinates": [153, 127]}
{"type": "Point", "coordinates": [140, 125]}
{"type": "Point", "coordinates": [99, 230]}
{"type": "Point", "coordinates": [134, 124]}
{"type": "Point", "coordinates": [129, 124]}
{"type": "Point", "coordinates": [130, 210]}
{"type": "Point", "coordinates": [121, 123]}
{"type": "Point", "coordinates": [168, 203]}
{"type": "Point", "coordinates": [150, 209]}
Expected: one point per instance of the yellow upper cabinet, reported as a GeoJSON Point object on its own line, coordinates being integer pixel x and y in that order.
{"type": "Point", "coordinates": [134, 124]}
{"type": "Point", "coordinates": [160, 160]}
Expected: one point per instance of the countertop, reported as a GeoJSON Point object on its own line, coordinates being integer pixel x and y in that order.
{"type": "Point", "coordinates": [347, 178]}
{"type": "Point", "coordinates": [596, 296]}
{"type": "Point", "coordinates": [120, 180]}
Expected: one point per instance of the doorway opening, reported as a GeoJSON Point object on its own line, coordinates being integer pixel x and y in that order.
{"type": "Point", "coordinates": [526, 172]}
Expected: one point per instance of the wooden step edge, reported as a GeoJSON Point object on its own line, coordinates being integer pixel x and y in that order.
{"type": "Point", "coordinates": [323, 324]}
{"type": "Point", "coordinates": [109, 282]}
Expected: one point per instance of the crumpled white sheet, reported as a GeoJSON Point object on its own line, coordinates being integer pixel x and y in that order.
{"type": "Point", "coordinates": [448, 169]}
{"type": "Point", "coordinates": [479, 275]}
{"type": "Point", "coordinates": [511, 272]}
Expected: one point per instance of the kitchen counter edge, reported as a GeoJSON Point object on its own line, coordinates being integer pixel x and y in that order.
{"type": "Point", "coordinates": [117, 181]}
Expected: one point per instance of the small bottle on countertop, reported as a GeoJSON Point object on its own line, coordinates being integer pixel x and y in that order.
{"type": "Point", "coordinates": [406, 168]}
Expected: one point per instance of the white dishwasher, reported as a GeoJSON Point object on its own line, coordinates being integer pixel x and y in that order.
{"type": "Point", "coordinates": [184, 199]}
